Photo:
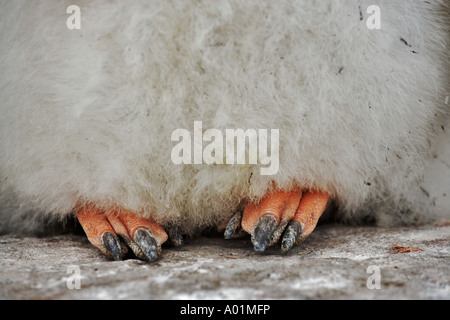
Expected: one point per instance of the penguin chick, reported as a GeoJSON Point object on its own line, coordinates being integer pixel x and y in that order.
{"type": "Point", "coordinates": [101, 105]}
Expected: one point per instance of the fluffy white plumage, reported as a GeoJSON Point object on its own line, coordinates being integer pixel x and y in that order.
{"type": "Point", "coordinates": [87, 115]}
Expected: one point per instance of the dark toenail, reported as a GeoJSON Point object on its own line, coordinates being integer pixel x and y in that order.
{"type": "Point", "coordinates": [233, 226]}
{"type": "Point", "coordinates": [175, 236]}
{"type": "Point", "coordinates": [147, 243]}
{"type": "Point", "coordinates": [112, 245]}
{"type": "Point", "coordinates": [262, 235]}
{"type": "Point", "coordinates": [291, 235]}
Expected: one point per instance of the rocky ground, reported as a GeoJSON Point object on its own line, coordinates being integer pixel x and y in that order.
{"type": "Point", "coordinates": [335, 262]}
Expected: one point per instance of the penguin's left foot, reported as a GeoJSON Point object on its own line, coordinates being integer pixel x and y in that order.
{"type": "Point", "coordinates": [107, 230]}
{"type": "Point", "coordinates": [291, 216]}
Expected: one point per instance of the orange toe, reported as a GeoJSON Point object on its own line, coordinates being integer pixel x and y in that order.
{"type": "Point", "coordinates": [309, 211]}
{"type": "Point", "coordinates": [94, 224]}
{"type": "Point", "coordinates": [282, 206]}
{"type": "Point", "coordinates": [127, 223]}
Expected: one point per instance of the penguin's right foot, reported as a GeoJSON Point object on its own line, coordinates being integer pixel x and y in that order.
{"type": "Point", "coordinates": [109, 230]}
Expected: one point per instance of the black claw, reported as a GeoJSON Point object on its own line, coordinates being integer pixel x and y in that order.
{"type": "Point", "coordinates": [291, 235]}
{"type": "Point", "coordinates": [112, 245]}
{"type": "Point", "coordinates": [233, 226]}
{"type": "Point", "coordinates": [262, 234]}
{"type": "Point", "coordinates": [147, 243]}
{"type": "Point", "coordinates": [175, 236]}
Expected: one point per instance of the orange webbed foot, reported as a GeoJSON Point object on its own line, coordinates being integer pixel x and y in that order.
{"type": "Point", "coordinates": [291, 216]}
{"type": "Point", "coordinates": [105, 230]}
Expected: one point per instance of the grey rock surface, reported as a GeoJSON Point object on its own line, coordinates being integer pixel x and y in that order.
{"type": "Point", "coordinates": [333, 263]}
